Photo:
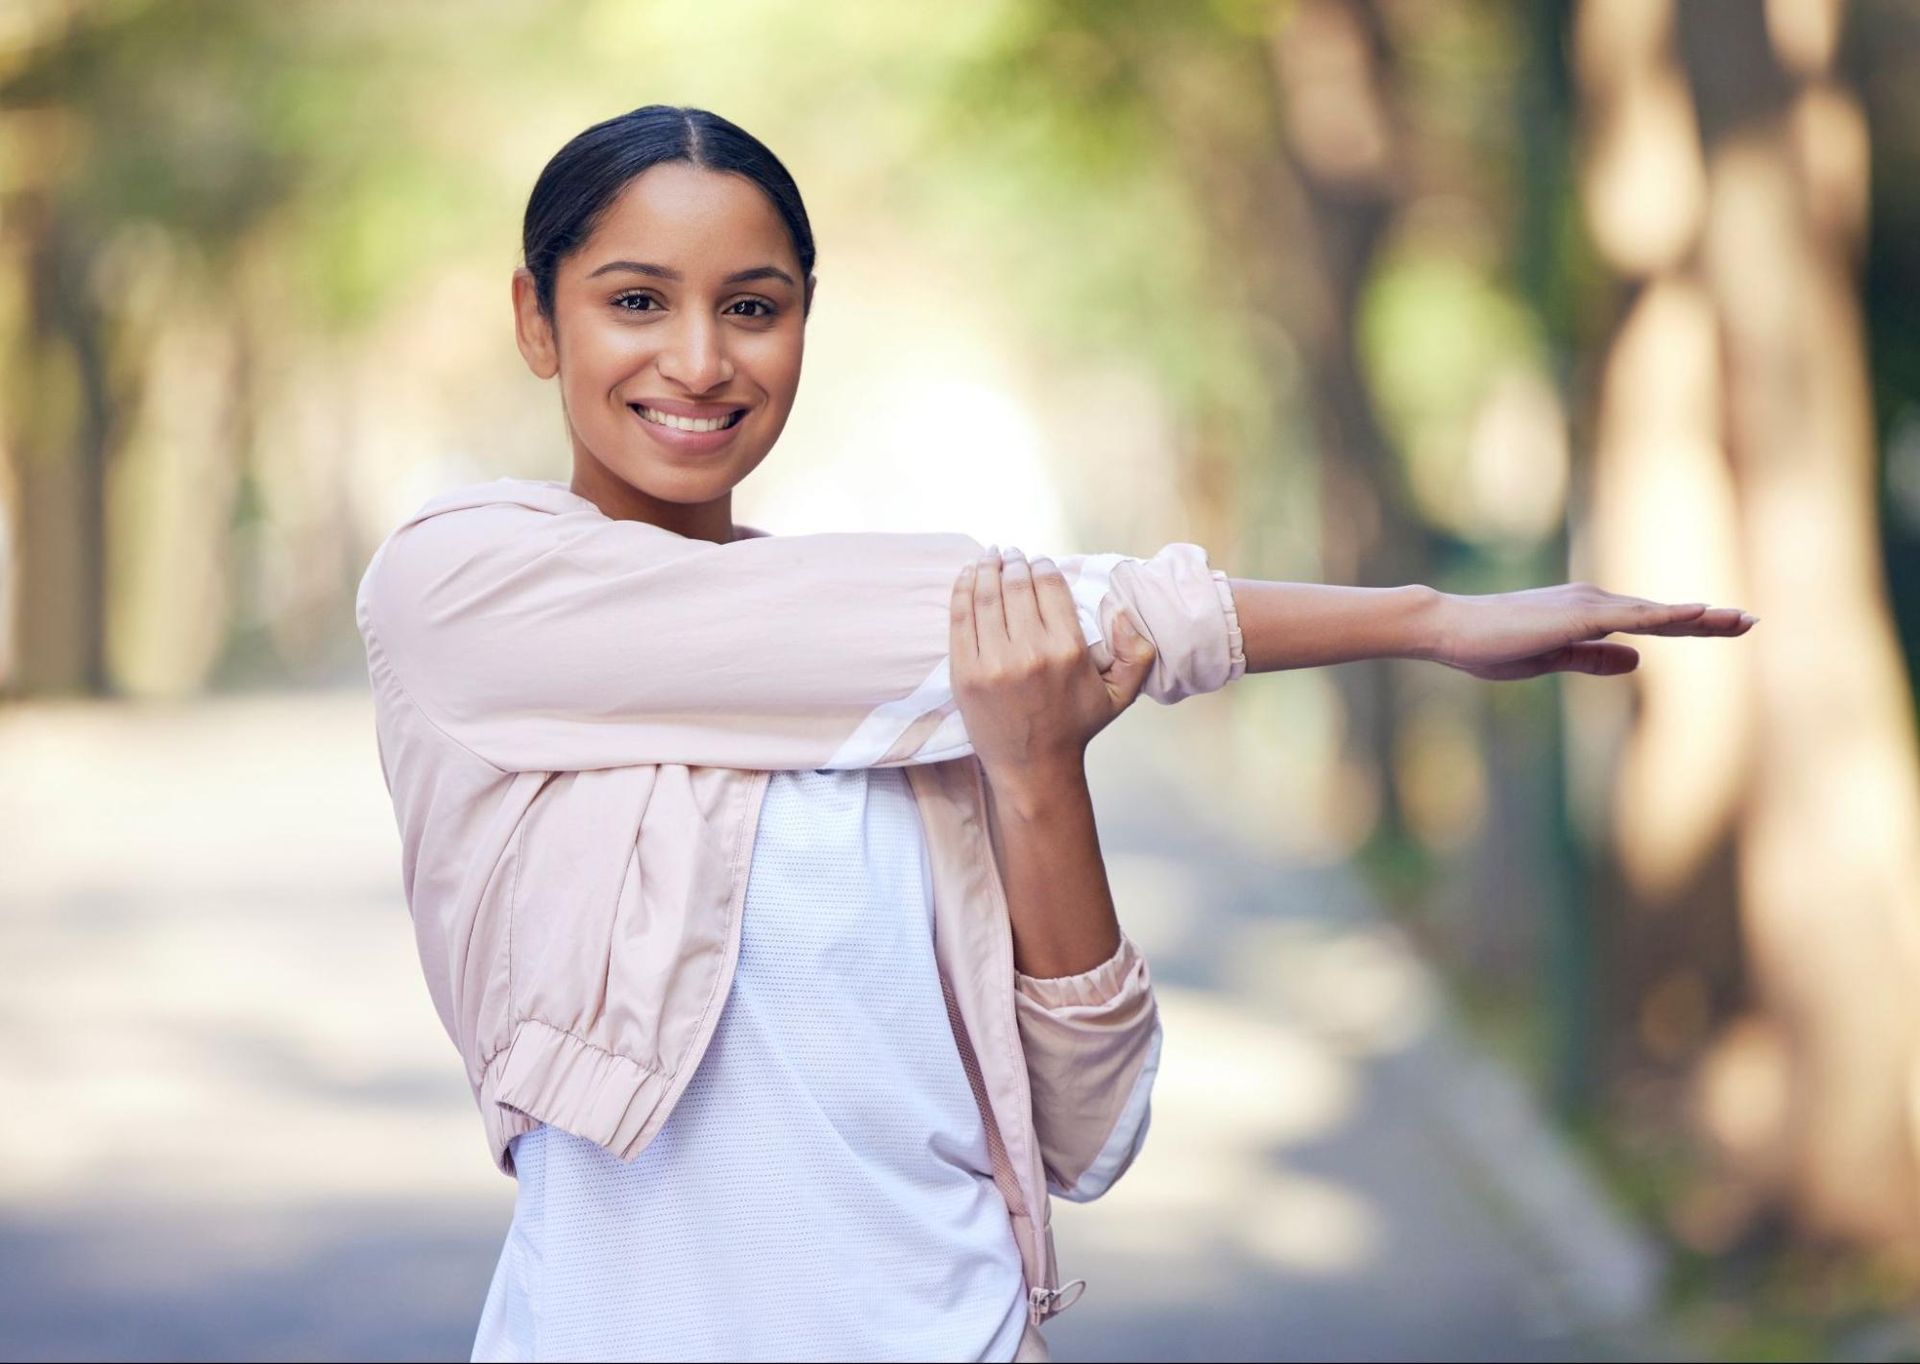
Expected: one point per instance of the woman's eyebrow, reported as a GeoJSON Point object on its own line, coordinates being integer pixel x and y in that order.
{"type": "Point", "coordinates": [640, 267]}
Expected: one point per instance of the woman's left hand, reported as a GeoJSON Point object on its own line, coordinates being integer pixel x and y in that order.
{"type": "Point", "coordinates": [1022, 674]}
{"type": "Point", "coordinates": [1505, 636]}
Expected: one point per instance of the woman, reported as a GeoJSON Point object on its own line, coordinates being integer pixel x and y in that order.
{"type": "Point", "coordinates": [755, 877]}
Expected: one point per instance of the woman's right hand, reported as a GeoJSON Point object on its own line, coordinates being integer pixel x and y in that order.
{"type": "Point", "coordinates": [1022, 674]}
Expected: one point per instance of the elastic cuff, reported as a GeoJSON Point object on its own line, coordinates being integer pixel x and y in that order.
{"type": "Point", "coordinates": [1098, 985]}
{"type": "Point", "coordinates": [1236, 644]}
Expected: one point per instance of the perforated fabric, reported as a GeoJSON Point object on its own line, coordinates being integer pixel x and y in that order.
{"type": "Point", "coordinates": [822, 1189]}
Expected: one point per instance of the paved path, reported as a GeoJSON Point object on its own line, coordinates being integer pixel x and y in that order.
{"type": "Point", "coordinates": [238, 1131]}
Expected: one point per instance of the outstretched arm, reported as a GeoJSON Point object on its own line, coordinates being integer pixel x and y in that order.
{"type": "Point", "coordinates": [1498, 637]}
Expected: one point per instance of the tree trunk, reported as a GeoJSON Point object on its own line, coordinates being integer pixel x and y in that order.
{"type": "Point", "coordinates": [1768, 794]}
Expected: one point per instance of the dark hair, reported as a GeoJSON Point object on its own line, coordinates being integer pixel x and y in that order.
{"type": "Point", "coordinates": [586, 176]}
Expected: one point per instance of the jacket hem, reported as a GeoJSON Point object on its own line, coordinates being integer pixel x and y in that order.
{"type": "Point", "coordinates": [546, 1074]}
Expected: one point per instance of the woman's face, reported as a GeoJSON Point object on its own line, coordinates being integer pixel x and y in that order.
{"type": "Point", "coordinates": [686, 300]}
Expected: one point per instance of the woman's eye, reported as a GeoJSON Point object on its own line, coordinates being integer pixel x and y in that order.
{"type": "Point", "coordinates": [635, 303]}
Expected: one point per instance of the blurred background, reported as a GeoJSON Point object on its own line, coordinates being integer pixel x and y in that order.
{"type": "Point", "coordinates": [1564, 1018]}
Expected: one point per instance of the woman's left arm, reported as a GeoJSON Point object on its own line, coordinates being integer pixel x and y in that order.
{"type": "Point", "coordinates": [1498, 637]}
{"type": "Point", "coordinates": [1083, 997]}
{"type": "Point", "coordinates": [1032, 699]}
{"type": "Point", "coordinates": [1048, 846]}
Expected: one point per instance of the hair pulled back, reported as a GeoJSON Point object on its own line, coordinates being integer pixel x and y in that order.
{"type": "Point", "coordinates": [584, 177]}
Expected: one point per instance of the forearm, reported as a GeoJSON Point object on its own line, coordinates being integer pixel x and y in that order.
{"type": "Point", "coordinates": [1312, 625]}
{"type": "Point", "coordinates": [1048, 848]}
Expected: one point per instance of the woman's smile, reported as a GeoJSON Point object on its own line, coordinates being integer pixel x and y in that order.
{"type": "Point", "coordinates": [688, 435]}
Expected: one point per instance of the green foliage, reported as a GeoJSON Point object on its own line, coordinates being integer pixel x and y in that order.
{"type": "Point", "coordinates": [1062, 162]}
{"type": "Point", "coordinates": [1436, 334]}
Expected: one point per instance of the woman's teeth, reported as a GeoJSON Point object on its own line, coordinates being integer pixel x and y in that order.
{"type": "Point", "coordinates": [686, 423]}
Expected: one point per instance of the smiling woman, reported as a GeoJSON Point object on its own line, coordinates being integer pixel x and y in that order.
{"type": "Point", "coordinates": [765, 1111]}
{"type": "Point", "coordinates": [755, 876]}
{"type": "Point", "coordinates": [668, 280]}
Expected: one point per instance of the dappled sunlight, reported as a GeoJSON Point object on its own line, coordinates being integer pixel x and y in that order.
{"type": "Point", "coordinates": [1309, 1226]}
{"type": "Point", "coordinates": [1234, 1093]}
{"type": "Point", "coordinates": [1644, 187]}
{"type": "Point", "coordinates": [1358, 988]}
{"type": "Point", "coordinates": [243, 1016]}
{"type": "Point", "coordinates": [1669, 529]}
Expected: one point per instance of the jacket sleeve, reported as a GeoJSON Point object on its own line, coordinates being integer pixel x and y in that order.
{"type": "Point", "coordinates": [1092, 1045]}
{"type": "Point", "coordinates": [563, 643]}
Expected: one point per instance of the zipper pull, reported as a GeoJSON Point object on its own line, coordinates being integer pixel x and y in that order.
{"type": "Point", "coordinates": [1047, 1302]}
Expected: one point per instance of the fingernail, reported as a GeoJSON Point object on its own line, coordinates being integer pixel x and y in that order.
{"type": "Point", "coordinates": [1010, 552]}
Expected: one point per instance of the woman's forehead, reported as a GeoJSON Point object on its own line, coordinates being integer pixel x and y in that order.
{"type": "Point", "coordinates": [709, 220]}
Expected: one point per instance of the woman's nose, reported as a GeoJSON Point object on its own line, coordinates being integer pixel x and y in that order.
{"type": "Point", "coordinates": [696, 356]}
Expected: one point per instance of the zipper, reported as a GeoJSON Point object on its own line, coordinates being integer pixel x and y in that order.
{"type": "Point", "coordinates": [1043, 1300]}
{"type": "Point", "coordinates": [1046, 1302]}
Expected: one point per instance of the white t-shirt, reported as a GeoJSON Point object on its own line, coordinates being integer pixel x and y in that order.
{"type": "Point", "coordinates": [822, 1190]}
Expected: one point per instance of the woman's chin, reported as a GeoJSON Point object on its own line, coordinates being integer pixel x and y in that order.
{"type": "Point", "coordinates": [666, 480]}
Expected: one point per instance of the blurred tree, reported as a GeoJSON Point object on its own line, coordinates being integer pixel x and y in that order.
{"type": "Point", "coordinates": [1765, 808]}
{"type": "Point", "coordinates": [198, 198]}
{"type": "Point", "coordinates": [119, 143]}
{"type": "Point", "coordinates": [1264, 139]}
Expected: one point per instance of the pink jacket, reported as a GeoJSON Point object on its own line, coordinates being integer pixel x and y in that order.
{"type": "Point", "coordinates": [576, 717]}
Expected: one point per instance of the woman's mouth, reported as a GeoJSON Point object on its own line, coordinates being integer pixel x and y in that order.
{"type": "Point", "coordinates": [687, 435]}
{"type": "Point", "coordinates": [695, 424]}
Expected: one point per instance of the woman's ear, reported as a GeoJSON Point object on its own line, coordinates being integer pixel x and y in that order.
{"type": "Point", "coordinates": [532, 331]}
{"type": "Point", "coordinates": [806, 299]}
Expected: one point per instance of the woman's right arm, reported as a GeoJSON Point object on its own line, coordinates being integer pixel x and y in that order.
{"type": "Point", "coordinates": [544, 642]}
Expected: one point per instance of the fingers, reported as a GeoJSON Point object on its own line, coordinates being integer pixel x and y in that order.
{"type": "Point", "coordinates": [963, 638]}
{"type": "Point", "coordinates": [1695, 618]}
{"type": "Point", "coordinates": [989, 610]}
{"type": "Point", "coordinates": [1131, 666]}
{"type": "Point", "coordinates": [1016, 595]}
{"type": "Point", "coordinates": [1602, 659]}
{"type": "Point", "coordinates": [1055, 598]}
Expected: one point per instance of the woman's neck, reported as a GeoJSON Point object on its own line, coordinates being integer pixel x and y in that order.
{"type": "Point", "coordinates": [619, 500]}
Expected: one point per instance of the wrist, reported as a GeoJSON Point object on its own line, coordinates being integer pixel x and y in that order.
{"type": "Point", "coordinates": [1426, 623]}
{"type": "Point", "coordinates": [1031, 788]}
